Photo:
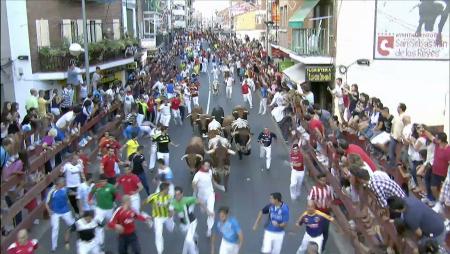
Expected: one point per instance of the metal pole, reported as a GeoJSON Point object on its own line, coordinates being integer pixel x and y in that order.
{"type": "Point", "coordinates": [231, 18]}
{"type": "Point", "coordinates": [267, 26]}
{"type": "Point", "coordinates": [86, 46]}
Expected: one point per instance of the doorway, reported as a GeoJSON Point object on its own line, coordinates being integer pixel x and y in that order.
{"type": "Point", "coordinates": [321, 95]}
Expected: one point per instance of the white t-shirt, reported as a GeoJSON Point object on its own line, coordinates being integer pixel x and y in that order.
{"type": "Point", "coordinates": [72, 173]}
{"type": "Point", "coordinates": [203, 180]}
{"type": "Point", "coordinates": [65, 120]}
{"type": "Point", "coordinates": [337, 92]}
{"type": "Point", "coordinates": [310, 97]}
{"type": "Point", "coordinates": [238, 64]}
{"type": "Point", "coordinates": [82, 194]}
{"type": "Point", "coordinates": [165, 109]}
{"type": "Point", "coordinates": [278, 113]}
{"type": "Point", "coordinates": [230, 82]}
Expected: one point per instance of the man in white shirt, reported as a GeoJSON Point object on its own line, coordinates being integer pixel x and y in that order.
{"type": "Point", "coordinates": [229, 87]}
{"type": "Point", "coordinates": [165, 113]}
{"type": "Point", "coordinates": [278, 99]}
{"type": "Point", "coordinates": [73, 172]}
{"type": "Point", "coordinates": [338, 96]}
{"type": "Point", "coordinates": [215, 72]}
{"type": "Point", "coordinates": [187, 98]}
{"type": "Point", "coordinates": [202, 184]}
{"type": "Point", "coordinates": [159, 85]}
{"type": "Point", "coordinates": [278, 113]}
{"type": "Point", "coordinates": [83, 194]}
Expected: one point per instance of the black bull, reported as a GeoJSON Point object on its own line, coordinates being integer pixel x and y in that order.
{"type": "Point", "coordinates": [242, 138]}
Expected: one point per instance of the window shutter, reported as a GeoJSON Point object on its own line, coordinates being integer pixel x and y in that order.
{"type": "Point", "coordinates": [98, 30]}
{"type": "Point", "coordinates": [116, 29]}
{"type": "Point", "coordinates": [80, 29]}
{"type": "Point", "coordinates": [42, 33]}
{"type": "Point", "coordinates": [67, 30]}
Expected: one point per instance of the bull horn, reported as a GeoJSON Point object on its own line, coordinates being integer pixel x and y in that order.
{"type": "Point", "coordinates": [184, 157]}
{"type": "Point", "coordinates": [210, 151]}
{"type": "Point", "coordinates": [199, 155]}
{"type": "Point", "coordinates": [231, 152]}
{"type": "Point", "coordinates": [246, 111]}
{"type": "Point", "coordinates": [222, 117]}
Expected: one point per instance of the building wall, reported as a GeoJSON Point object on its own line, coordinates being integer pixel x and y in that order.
{"type": "Point", "coordinates": [285, 33]}
{"type": "Point", "coordinates": [421, 85]}
{"type": "Point", "coordinates": [56, 10]}
{"type": "Point", "coordinates": [7, 93]}
{"type": "Point", "coordinates": [246, 21]}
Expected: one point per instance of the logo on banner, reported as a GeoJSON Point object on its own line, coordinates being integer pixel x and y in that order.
{"type": "Point", "coordinates": [385, 44]}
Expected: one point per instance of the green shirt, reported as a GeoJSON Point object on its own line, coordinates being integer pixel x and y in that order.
{"type": "Point", "coordinates": [31, 102]}
{"type": "Point", "coordinates": [105, 196]}
{"type": "Point", "coordinates": [184, 208]}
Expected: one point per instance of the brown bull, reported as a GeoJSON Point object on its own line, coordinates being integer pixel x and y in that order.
{"type": "Point", "coordinates": [226, 126]}
{"type": "Point", "coordinates": [194, 154]}
{"type": "Point", "coordinates": [242, 139]}
{"type": "Point", "coordinates": [195, 114]}
{"type": "Point", "coordinates": [202, 123]}
{"type": "Point", "coordinates": [220, 163]}
{"type": "Point", "coordinates": [240, 112]}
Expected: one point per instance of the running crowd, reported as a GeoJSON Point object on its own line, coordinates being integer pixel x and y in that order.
{"type": "Point", "coordinates": [166, 90]}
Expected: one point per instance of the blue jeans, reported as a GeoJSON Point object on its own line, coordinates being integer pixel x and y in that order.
{"type": "Point", "coordinates": [392, 152]}
{"type": "Point", "coordinates": [126, 241]}
{"type": "Point", "coordinates": [144, 182]}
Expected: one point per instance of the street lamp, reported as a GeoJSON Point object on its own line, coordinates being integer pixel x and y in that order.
{"type": "Point", "coordinates": [344, 69]}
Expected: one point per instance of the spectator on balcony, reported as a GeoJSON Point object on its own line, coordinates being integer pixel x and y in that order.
{"type": "Point", "coordinates": [67, 99]}
{"type": "Point", "coordinates": [32, 100]}
{"type": "Point", "coordinates": [419, 218]}
{"type": "Point", "coordinates": [396, 134]}
{"type": "Point", "coordinates": [383, 129]}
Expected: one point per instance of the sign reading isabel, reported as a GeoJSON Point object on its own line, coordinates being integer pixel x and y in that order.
{"type": "Point", "coordinates": [412, 30]}
{"type": "Point", "coordinates": [319, 73]}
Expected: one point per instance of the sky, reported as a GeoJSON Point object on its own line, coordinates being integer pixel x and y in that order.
{"type": "Point", "coordinates": [208, 7]}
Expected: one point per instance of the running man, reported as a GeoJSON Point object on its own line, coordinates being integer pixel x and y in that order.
{"type": "Point", "coordinates": [202, 184]}
{"type": "Point", "coordinates": [278, 218]}
{"type": "Point", "coordinates": [162, 213]}
{"type": "Point", "coordinates": [232, 237]}
{"type": "Point", "coordinates": [131, 186]}
{"type": "Point", "coordinates": [86, 227]}
{"type": "Point", "coordinates": [265, 139]}
{"type": "Point", "coordinates": [297, 172]}
{"type": "Point", "coordinates": [57, 205]}
{"type": "Point", "coordinates": [229, 87]}
{"type": "Point", "coordinates": [123, 223]}
{"type": "Point", "coordinates": [184, 208]}
{"type": "Point", "coordinates": [163, 141]}
{"type": "Point", "coordinates": [314, 221]}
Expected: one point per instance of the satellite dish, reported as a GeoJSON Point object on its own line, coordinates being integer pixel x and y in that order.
{"type": "Point", "coordinates": [75, 49]}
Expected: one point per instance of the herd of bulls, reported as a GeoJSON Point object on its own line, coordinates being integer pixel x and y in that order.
{"type": "Point", "coordinates": [234, 130]}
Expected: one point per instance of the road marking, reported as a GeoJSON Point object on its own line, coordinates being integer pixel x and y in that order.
{"type": "Point", "coordinates": [209, 90]}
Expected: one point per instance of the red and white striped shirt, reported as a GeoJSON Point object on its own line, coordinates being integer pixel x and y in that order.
{"type": "Point", "coordinates": [322, 197]}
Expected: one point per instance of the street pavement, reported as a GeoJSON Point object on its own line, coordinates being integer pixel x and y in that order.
{"type": "Point", "coordinates": [249, 188]}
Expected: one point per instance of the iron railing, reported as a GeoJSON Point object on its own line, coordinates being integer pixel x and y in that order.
{"type": "Point", "coordinates": [310, 42]}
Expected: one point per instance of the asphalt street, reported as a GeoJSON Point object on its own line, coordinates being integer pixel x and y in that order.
{"type": "Point", "coordinates": [249, 188]}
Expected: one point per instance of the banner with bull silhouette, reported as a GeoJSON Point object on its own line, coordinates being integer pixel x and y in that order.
{"type": "Point", "coordinates": [412, 30]}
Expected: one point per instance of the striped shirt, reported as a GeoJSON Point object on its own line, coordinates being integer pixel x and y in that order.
{"type": "Point", "coordinates": [322, 197]}
{"type": "Point", "coordinates": [161, 204]}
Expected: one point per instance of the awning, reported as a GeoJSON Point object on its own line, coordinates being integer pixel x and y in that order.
{"type": "Point", "coordinates": [296, 73]}
{"type": "Point", "coordinates": [297, 20]}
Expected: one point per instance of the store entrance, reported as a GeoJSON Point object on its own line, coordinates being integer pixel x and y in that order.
{"type": "Point", "coordinates": [321, 95]}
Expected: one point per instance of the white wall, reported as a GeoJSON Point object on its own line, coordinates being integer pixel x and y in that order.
{"type": "Point", "coordinates": [7, 91]}
{"type": "Point", "coordinates": [20, 46]}
{"type": "Point", "coordinates": [421, 85]}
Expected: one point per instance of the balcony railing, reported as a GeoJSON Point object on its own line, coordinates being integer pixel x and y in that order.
{"type": "Point", "coordinates": [310, 42]}
{"type": "Point", "coordinates": [59, 59]}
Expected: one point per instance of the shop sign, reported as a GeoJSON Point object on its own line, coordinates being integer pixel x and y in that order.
{"type": "Point", "coordinates": [319, 73]}
{"type": "Point", "coordinates": [131, 66]}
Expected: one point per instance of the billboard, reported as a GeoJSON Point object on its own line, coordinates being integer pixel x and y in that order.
{"type": "Point", "coordinates": [412, 30]}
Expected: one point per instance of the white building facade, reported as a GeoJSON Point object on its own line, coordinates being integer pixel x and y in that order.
{"type": "Point", "coordinates": [409, 59]}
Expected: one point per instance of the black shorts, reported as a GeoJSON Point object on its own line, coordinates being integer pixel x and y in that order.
{"type": "Point", "coordinates": [436, 180]}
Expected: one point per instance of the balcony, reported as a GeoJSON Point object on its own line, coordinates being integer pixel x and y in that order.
{"type": "Point", "coordinates": [310, 42]}
{"type": "Point", "coordinates": [58, 59]}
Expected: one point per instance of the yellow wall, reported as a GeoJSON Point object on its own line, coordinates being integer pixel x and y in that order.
{"type": "Point", "coordinates": [246, 21]}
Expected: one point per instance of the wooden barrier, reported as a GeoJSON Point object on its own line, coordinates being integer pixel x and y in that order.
{"type": "Point", "coordinates": [40, 187]}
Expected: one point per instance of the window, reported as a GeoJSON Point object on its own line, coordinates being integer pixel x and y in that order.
{"type": "Point", "coordinates": [149, 25]}
{"type": "Point", "coordinates": [72, 30]}
{"type": "Point", "coordinates": [42, 33]}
